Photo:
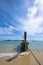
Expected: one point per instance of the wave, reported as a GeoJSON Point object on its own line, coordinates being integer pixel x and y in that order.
{"type": "Point", "coordinates": [13, 54]}
{"type": "Point", "coordinates": [8, 54]}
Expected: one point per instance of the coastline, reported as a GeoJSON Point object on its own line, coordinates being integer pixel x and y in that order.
{"type": "Point", "coordinates": [24, 60]}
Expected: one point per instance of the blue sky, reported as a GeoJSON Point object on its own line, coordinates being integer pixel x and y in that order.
{"type": "Point", "coordinates": [17, 16]}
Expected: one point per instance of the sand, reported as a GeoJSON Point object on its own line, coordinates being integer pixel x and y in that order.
{"type": "Point", "coordinates": [24, 60]}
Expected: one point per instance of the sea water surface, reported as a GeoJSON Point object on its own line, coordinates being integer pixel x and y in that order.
{"type": "Point", "coordinates": [10, 45]}
{"type": "Point", "coordinates": [7, 47]}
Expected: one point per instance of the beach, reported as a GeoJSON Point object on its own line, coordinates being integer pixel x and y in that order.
{"type": "Point", "coordinates": [8, 50]}
{"type": "Point", "coordinates": [24, 60]}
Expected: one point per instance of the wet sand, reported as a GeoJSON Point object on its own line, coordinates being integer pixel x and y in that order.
{"type": "Point", "coordinates": [24, 60]}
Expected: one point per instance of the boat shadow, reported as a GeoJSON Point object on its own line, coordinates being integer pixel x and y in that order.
{"type": "Point", "coordinates": [11, 59]}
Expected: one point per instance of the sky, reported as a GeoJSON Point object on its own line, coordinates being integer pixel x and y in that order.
{"type": "Point", "coordinates": [17, 16]}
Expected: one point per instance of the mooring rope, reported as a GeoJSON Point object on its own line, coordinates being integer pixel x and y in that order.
{"type": "Point", "coordinates": [35, 58]}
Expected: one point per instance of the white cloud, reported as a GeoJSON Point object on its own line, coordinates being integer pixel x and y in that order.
{"type": "Point", "coordinates": [36, 2]}
{"type": "Point", "coordinates": [40, 9]}
{"type": "Point", "coordinates": [4, 31]}
{"type": "Point", "coordinates": [7, 30]}
{"type": "Point", "coordinates": [7, 38]}
{"type": "Point", "coordinates": [32, 11]}
{"type": "Point", "coordinates": [32, 23]}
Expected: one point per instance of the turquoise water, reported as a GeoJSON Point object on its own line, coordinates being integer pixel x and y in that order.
{"type": "Point", "coordinates": [9, 45]}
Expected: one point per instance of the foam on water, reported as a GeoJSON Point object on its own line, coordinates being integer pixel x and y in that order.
{"type": "Point", "coordinates": [13, 54]}
{"type": "Point", "coordinates": [8, 54]}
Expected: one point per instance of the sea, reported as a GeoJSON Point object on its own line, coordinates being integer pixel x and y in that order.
{"type": "Point", "coordinates": [7, 47]}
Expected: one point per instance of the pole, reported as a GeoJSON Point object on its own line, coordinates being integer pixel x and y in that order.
{"type": "Point", "coordinates": [25, 35]}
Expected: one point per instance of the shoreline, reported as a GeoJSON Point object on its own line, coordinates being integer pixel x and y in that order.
{"type": "Point", "coordinates": [27, 59]}
{"type": "Point", "coordinates": [10, 54]}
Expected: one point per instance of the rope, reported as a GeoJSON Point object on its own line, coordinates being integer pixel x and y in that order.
{"type": "Point", "coordinates": [35, 58]}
